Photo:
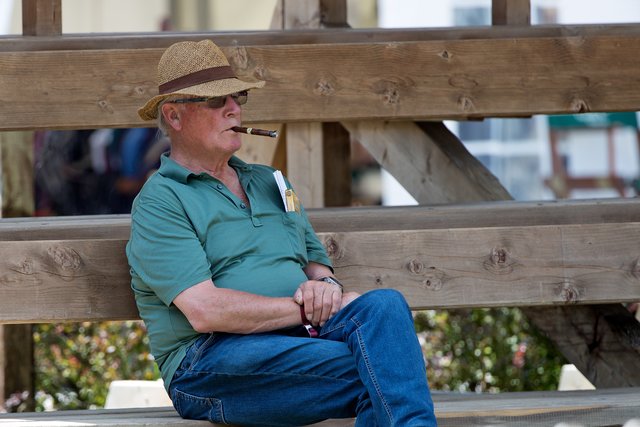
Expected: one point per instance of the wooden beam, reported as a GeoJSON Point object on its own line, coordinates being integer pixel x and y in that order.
{"type": "Point", "coordinates": [511, 12]}
{"type": "Point", "coordinates": [340, 81]}
{"type": "Point", "coordinates": [316, 160]}
{"type": "Point", "coordinates": [328, 220]}
{"type": "Point", "coordinates": [336, 158]}
{"type": "Point", "coordinates": [41, 17]}
{"type": "Point", "coordinates": [423, 164]}
{"type": "Point", "coordinates": [107, 41]}
{"type": "Point", "coordinates": [594, 358]}
{"type": "Point", "coordinates": [88, 279]}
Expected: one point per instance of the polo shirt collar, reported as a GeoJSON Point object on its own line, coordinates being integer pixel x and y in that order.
{"type": "Point", "coordinates": [171, 169]}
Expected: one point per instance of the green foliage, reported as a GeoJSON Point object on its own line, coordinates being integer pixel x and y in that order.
{"type": "Point", "coordinates": [486, 350]}
{"type": "Point", "coordinates": [75, 363]}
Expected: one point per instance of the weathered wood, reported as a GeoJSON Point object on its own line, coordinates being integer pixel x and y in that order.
{"type": "Point", "coordinates": [603, 341]}
{"type": "Point", "coordinates": [376, 81]}
{"type": "Point", "coordinates": [534, 409]}
{"type": "Point", "coordinates": [423, 164]}
{"type": "Point", "coordinates": [478, 215]}
{"type": "Point", "coordinates": [16, 341]}
{"type": "Point", "coordinates": [309, 158]}
{"type": "Point", "coordinates": [586, 357]}
{"type": "Point", "coordinates": [9, 43]}
{"type": "Point", "coordinates": [511, 12]}
{"type": "Point", "coordinates": [41, 17]}
{"type": "Point", "coordinates": [258, 149]}
{"type": "Point", "coordinates": [336, 155]}
{"type": "Point", "coordinates": [442, 268]}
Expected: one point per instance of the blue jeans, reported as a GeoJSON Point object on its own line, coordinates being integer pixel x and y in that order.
{"type": "Point", "coordinates": [366, 363]}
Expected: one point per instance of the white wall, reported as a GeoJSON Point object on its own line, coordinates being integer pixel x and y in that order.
{"type": "Point", "coordinates": [83, 16]}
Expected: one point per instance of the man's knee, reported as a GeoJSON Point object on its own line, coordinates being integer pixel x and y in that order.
{"type": "Point", "coordinates": [388, 299]}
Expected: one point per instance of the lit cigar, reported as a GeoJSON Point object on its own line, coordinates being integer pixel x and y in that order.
{"type": "Point", "coordinates": [254, 131]}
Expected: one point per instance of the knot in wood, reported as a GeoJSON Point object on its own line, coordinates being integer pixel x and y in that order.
{"type": "Point", "coordinates": [579, 105]}
{"type": "Point", "coordinates": [378, 280]}
{"type": "Point", "coordinates": [392, 96]}
{"type": "Point", "coordinates": [499, 261]}
{"type": "Point", "coordinates": [466, 104]}
{"type": "Point", "coordinates": [323, 87]}
{"type": "Point", "coordinates": [445, 55]}
{"type": "Point", "coordinates": [239, 58]}
{"type": "Point", "coordinates": [65, 258]}
{"type": "Point", "coordinates": [432, 283]}
{"type": "Point", "coordinates": [415, 266]}
{"type": "Point", "coordinates": [139, 90]}
{"type": "Point", "coordinates": [260, 73]}
{"type": "Point", "coordinates": [569, 294]}
{"type": "Point", "coordinates": [498, 256]}
{"type": "Point", "coordinates": [27, 267]}
{"type": "Point", "coordinates": [333, 248]}
{"type": "Point", "coordinates": [105, 106]}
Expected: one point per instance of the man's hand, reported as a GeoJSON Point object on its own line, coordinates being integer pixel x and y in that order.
{"type": "Point", "coordinates": [321, 300]}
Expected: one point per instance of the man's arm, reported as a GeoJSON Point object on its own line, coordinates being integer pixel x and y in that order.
{"type": "Point", "coordinates": [209, 308]}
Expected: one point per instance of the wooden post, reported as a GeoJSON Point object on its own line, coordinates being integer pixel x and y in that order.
{"type": "Point", "coordinates": [16, 341]}
{"type": "Point", "coordinates": [318, 155]}
{"type": "Point", "coordinates": [41, 17]}
{"type": "Point", "coordinates": [511, 12]}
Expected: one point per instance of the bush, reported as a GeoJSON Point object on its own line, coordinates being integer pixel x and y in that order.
{"type": "Point", "coordinates": [486, 350]}
{"type": "Point", "coordinates": [75, 363]}
{"type": "Point", "coordinates": [482, 350]}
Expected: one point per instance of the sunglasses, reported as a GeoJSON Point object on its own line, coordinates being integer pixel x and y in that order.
{"type": "Point", "coordinates": [239, 98]}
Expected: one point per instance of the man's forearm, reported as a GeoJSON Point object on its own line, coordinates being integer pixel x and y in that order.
{"type": "Point", "coordinates": [212, 309]}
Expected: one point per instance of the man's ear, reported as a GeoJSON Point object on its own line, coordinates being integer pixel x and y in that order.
{"type": "Point", "coordinates": [171, 115]}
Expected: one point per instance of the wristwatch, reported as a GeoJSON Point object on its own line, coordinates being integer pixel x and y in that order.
{"type": "Point", "coordinates": [331, 280]}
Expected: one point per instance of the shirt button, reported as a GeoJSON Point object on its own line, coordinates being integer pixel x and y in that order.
{"type": "Point", "coordinates": [242, 206]}
{"type": "Point", "coordinates": [219, 186]}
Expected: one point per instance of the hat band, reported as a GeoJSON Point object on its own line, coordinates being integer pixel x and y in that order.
{"type": "Point", "coordinates": [202, 76]}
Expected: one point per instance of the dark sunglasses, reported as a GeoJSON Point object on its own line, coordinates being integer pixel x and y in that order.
{"type": "Point", "coordinates": [239, 98]}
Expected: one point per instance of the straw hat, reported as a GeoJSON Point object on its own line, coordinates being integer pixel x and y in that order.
{"type": "Point", "coordinates": [197, 69]}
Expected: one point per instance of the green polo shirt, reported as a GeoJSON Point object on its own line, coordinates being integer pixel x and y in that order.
{"type": "Point", "coordinates": [187, 228]}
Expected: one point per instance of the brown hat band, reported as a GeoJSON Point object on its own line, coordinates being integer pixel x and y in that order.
{"type": "Point", "coordinates": [202, 76]}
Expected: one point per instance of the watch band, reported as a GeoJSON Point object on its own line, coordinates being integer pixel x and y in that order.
{"type": "Point", "coordinates": [332, 280]}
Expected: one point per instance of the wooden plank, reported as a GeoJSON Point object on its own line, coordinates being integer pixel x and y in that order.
{"type": "Point", "coordinates": [423, 164]}
{"type": "Point", "coordinates": [478, 215]}
{"type": "Point", "coordinates": [378, 81]}
{"type": "Point", "coordinates": [535, 409]}
{"type": "Point", "coordinates": [258, 149]}
{"type": "Point", "coordinates": [304, 152]}
{"type": "Point", "coordinates": [445, 268]}
{"type": "Point", "coordinates": [593, 357]}
{"type": "Point", "coordinates": [41, 17]}
{"type": "Point", "coordinates": [336, 157]}
{"type": "Point", "coordinates": [11, 43]}
{"type": "Point", "coordinates": [511, 12]}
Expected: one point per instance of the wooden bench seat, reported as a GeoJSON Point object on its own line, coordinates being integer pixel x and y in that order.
{"type": "Point", "coordinates": [532, 409]}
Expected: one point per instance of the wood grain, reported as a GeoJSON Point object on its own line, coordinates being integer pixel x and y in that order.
{"type": "Point", "coordinates": [340, 81]}
{"type": "Point", "coordinates": [444, 268]}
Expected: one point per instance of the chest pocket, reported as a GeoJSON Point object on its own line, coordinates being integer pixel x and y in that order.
{"type": "Point", "coordinates": [294, 226]}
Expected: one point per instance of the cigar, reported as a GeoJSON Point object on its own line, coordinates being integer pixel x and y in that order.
{"type": "Point", "coordinates": [254, 131]}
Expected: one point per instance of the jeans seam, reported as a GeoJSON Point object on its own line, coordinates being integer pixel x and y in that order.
{"type": "Point", "coordinates": [198, 353]}
{"type": "Point", "coordinates": [374, 380]}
